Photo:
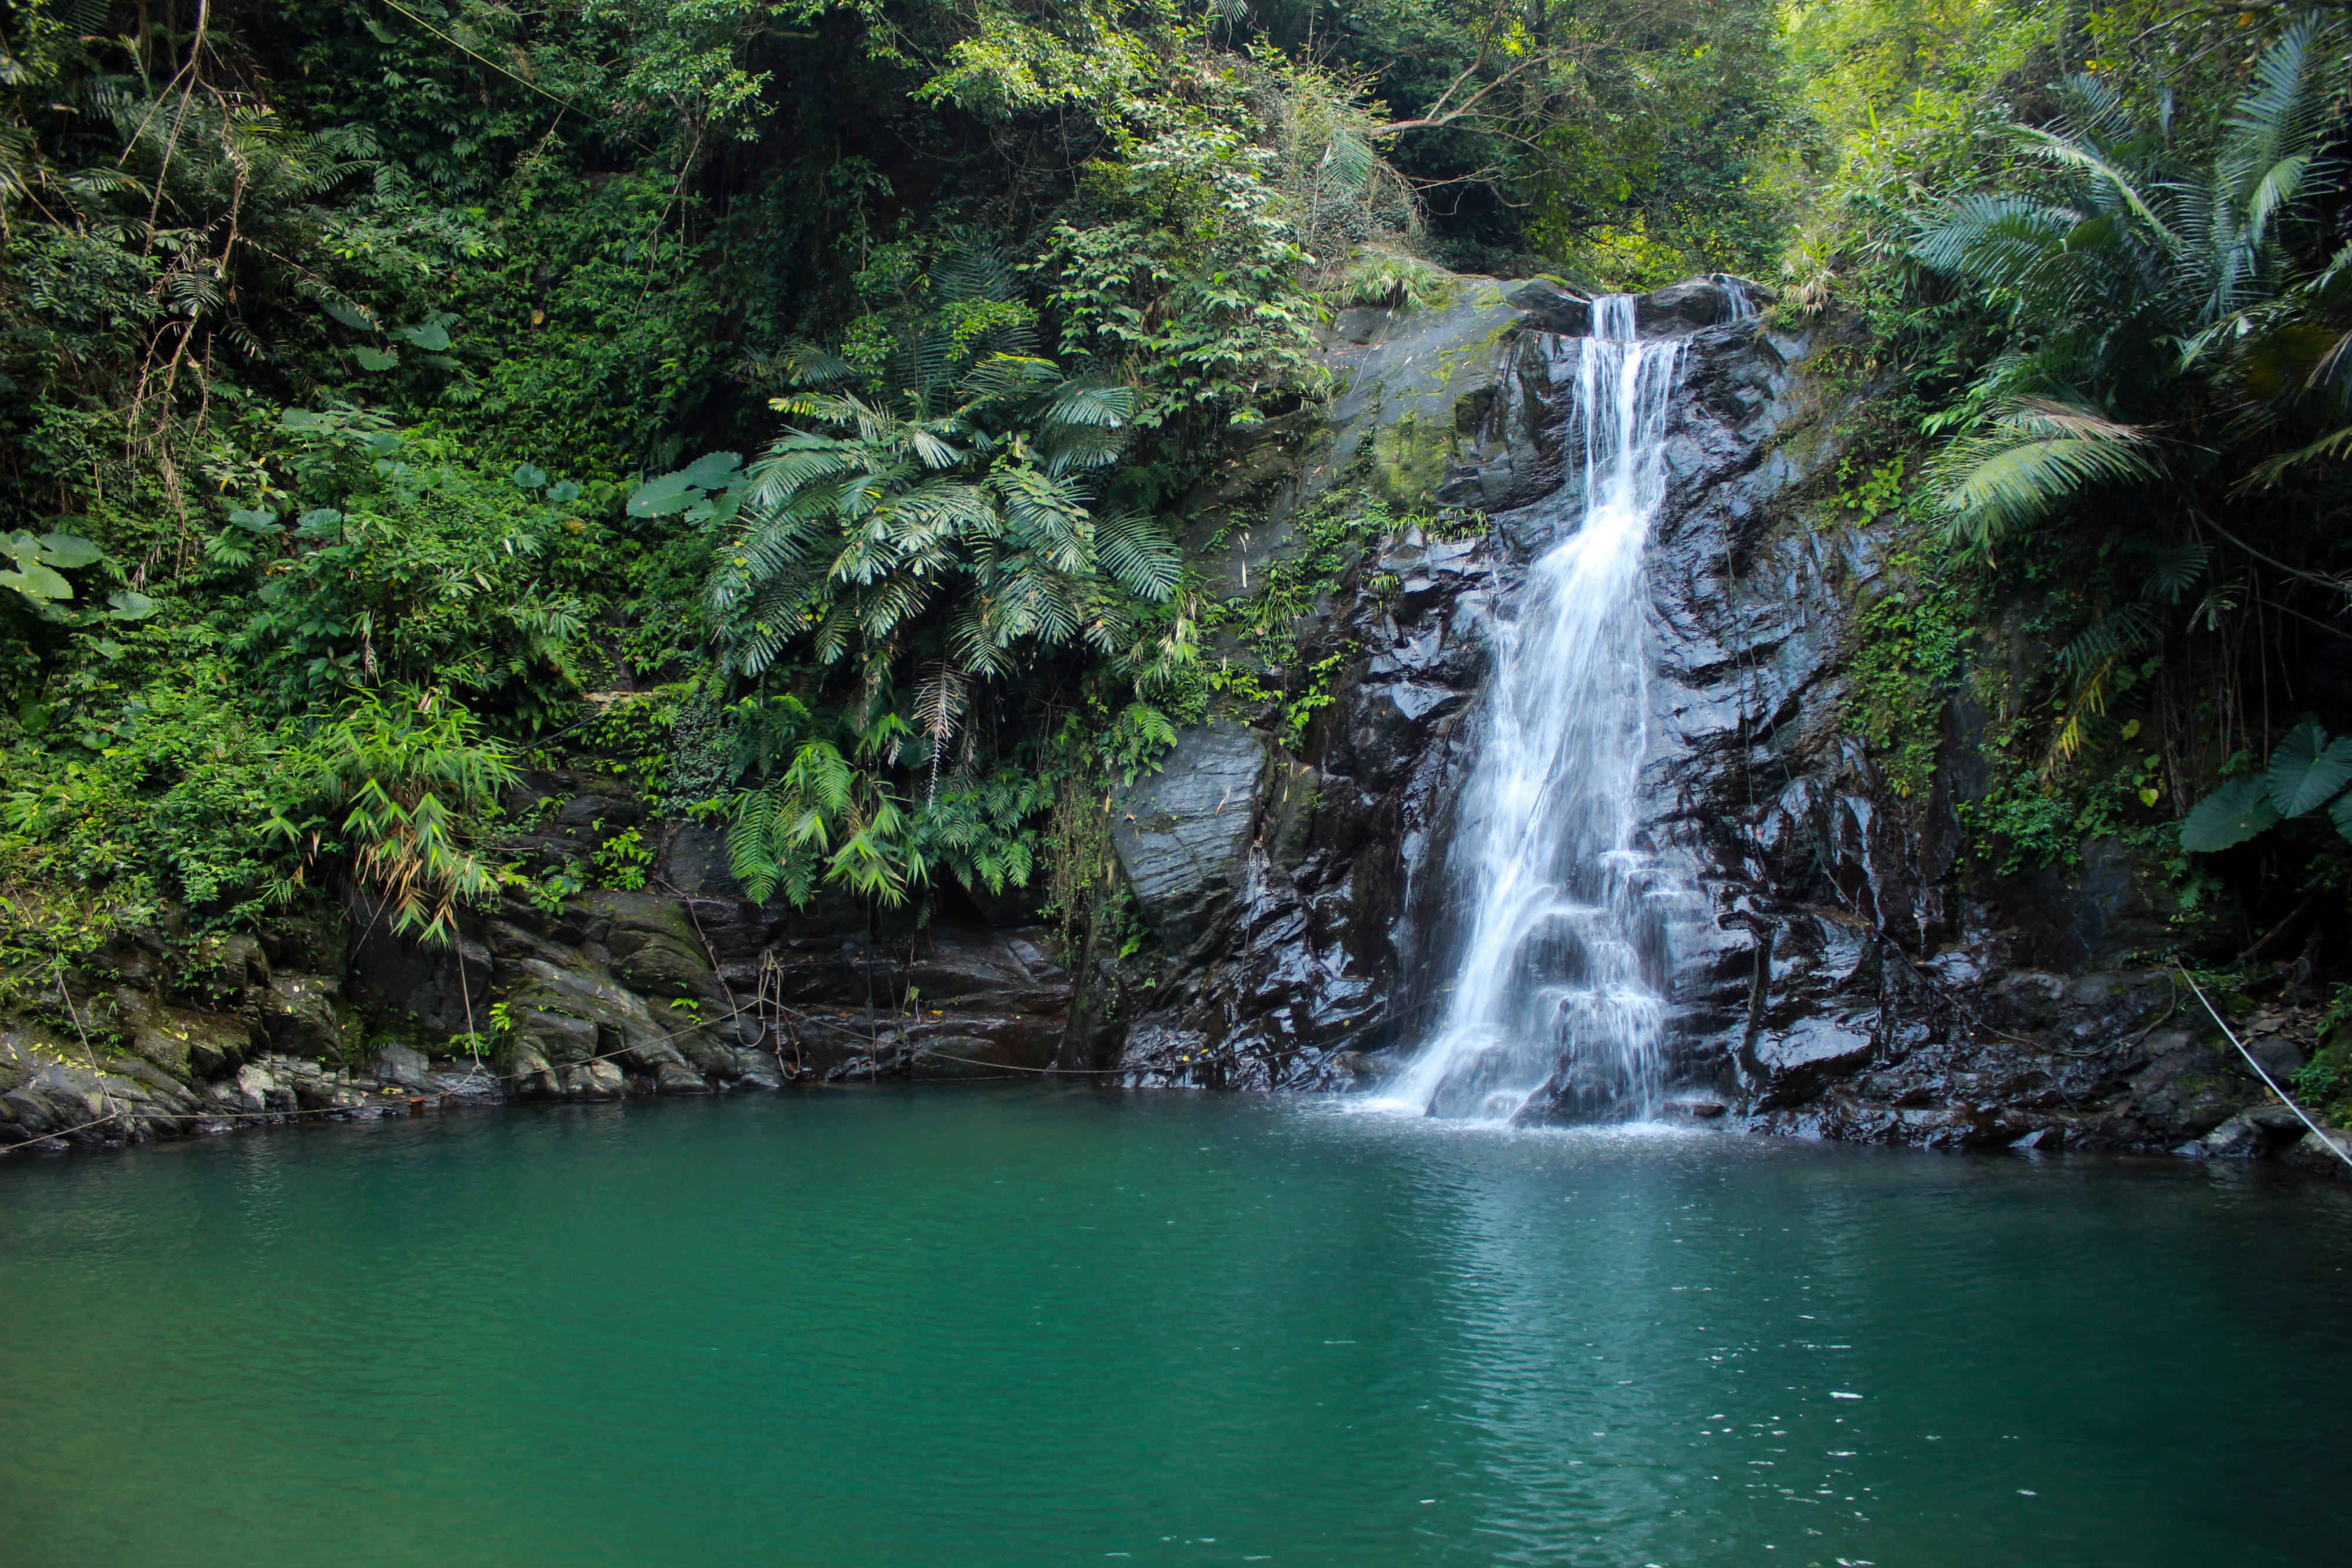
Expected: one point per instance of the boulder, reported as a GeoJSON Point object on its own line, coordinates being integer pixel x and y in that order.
{"type": "Point", "coordinates": [1791, 1065]}
{"type": "Point", "coordinates": [182, 1042]}
{"type": "Point", "coordinates": [1685, 307]}
{"type": "Point", "coordinates": [303, 1015]}
{"type": "Point", "coordinates": [2278, 1055]}
{"type": "Point", "coordinates": [399, 1064]}
{"type": "Point", "coordinates": [1180, 834]}
{"type": "Point", "coordinates": [258, 1090]}
{"type": "Point", "coordinates": [2322, 1154]}
{"type": "Point", "coordinates": [592, 1080]}
{"type": "Point", "coordinates": [967, 1056]}
{"type": "Point", "coordinates": [1552, 305]}
{"type": "Point", "coordinates": [432, 986]}
{"type": "Point", "coordinates": [2235, 1139]}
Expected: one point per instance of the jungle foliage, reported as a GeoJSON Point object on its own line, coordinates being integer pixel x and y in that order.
{"type": "Point", "coordinates": [2099, 256]}
{"type": "Point", "coordinates": [794, 404]}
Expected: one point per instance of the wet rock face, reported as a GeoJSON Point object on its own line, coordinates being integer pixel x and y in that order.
{"type": "Point", "coordinates": [1838, 975]}
{"type": "Point", "coordinates": [1321, 955]}
{"type": "Point", "coordinates": [1180, 833]}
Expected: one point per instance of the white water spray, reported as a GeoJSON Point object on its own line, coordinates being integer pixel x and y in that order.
{"type": "Point", "coordinates": [1561, 988]}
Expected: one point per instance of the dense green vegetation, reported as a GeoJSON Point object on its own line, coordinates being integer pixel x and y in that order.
{"type": "Point", "coordinates": [793, 405]}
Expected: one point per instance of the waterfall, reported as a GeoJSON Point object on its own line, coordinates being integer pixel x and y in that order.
{"type": "Point", "coordinates": [1560, 980]}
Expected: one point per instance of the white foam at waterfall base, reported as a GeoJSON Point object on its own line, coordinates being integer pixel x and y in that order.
{"type": "Point", "coordinates": [1560, 977]}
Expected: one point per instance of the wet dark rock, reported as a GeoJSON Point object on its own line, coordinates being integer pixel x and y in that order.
{"type": "Point", "coordinates": [397, 1064]}
{"type": "Point", "coordinates": [1550, 306]}
{"type": "Point", "coordinates": [1843, 974]}
{"type": "Point", "coordinates": [303, 1015]}
{"type": "Point", "coordinates": [2278, 1055]}
{"type": "Point", "coordinates": [2321, 1153]}
{"type": "Point", "coordinates": [1180, 833]}
{"type": "Point", "coordinates": [1791, 1066]}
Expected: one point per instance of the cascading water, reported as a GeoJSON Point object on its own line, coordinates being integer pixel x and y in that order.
{"type": "Point", "coordinates": [1561, 988]}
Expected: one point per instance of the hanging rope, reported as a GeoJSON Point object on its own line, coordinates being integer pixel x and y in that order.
{"type": "Point", "coordinates": [2318, 1132]}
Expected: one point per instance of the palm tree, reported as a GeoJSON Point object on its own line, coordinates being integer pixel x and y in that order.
{"type": "Point", "coordinates": [2127, 276]}
{"type": "Point", "coordinates": [938, 511]}
{"type": "Point", "coordinates": [2165, 347]}
{"type": "Point", "coordinates": [956, 482]}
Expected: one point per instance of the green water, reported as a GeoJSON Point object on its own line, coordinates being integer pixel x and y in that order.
{"type": "Point", "coordinates": [974, 1327]}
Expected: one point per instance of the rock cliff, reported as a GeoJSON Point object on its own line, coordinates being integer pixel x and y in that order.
{"type": "Point", "coordinates": [1847, 972]}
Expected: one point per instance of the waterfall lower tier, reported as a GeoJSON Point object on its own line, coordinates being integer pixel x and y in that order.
{"type": "Point", "coordinates": [1561, 967]}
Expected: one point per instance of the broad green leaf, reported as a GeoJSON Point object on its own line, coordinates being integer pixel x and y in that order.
{"type": "Point", "coordinates": [253, 521]}
{"type": "Point", "coordinates": [562, 491]}
{"type": "Point", "coordinates": [130, 606]}
{"type": "Point", "coordinates": [2231, 815]}
{"type": "Point", "coordinates": [318, 520]}
{"type": "Point", "coordinates": [376, 359]}
{"type": "Point", "coordinates": [36, 582]}
{"type": "Point", "coordinates": [529, 477]}
{"type": "Point", "coordinates": [357, 320]}
{"type": "Point", "coordinates": [301, 419]}
{"type": "Point", "coordinates": [425, 336]}
{"type": "Point", "coordinates": [2308, 769]}
{"type": "Point", "coordinates": [69, 551]}
{"type": "Point", "coordinates": [714, 470]}
{"type": "Point", "coordinates": [2340, 813]}
{"type": "Point", "coordinates": [650, 499]}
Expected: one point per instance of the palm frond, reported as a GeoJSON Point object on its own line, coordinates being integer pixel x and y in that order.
{"type": "Point", "coordinates": [2037, 455]}
{"type": "Point", "coordinates": [1072, 448]}
{"type": "Point", "coordinates": [2333, 446]}
{"type": "Point", "coordinates": [1993, 239]}
{"type": "Point", "coordinates": [2117, 634]}
{"type": "Point", "coordinates": [1009, 375]}
{"type": "Point", "coordinates": [2069, 152]}
{"type": "Point", "coordinates": [2173, 570]}
{"type": "Point", "coordinates": [974, 270]}
{"type": "Point", "coordinates": [2280, 115]}
{"type": "Point", "coordinates": [1090, 400]}
{"type": "Point", "coordinates": [1139, 555]}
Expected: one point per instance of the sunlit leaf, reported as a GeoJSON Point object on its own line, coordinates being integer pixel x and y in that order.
{"type": "Point", "coordinates": [36, 582]}
{"type": "Point", "coordinates": [68, 551]}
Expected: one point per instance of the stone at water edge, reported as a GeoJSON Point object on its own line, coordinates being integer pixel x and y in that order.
{"type": "Point", "coordinates": [2318, 1157]}
{"type": "Point", "coordinates": [399, 1064]}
